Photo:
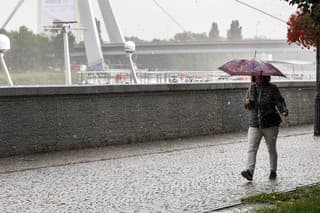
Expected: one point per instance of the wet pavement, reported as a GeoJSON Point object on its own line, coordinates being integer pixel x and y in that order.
{"type": "Point", "coordinates": [189, 175]}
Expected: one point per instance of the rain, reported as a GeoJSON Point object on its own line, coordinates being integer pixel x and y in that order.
{"type": "Point", "coordinates": [156, 105]}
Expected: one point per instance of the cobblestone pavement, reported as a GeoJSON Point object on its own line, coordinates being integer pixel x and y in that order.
{"type": "Point", "coordinates": [190, 175]}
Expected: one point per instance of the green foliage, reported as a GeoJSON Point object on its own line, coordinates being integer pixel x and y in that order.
{"type": "Point", "coordinates": [311, 7]}
{"type": "Point", "coordinates": [306, 199]}
{"type": "Point", "coordinates": [214, 32]}
{"type": "Point", "coordinates": [235, 31]}
{"type": "Point", "coordinates": [161, 41]}
{"type": "Point", "coordinates": [98, 24]}
{"type": "Point", "coordinates": [186, 36]}
{"type": "Point", "coordinates": [190, 36]}
{"type": "Point", "coordinates": [3, 31]}
{"type": "Point", "coordinates": [37, 77]}
{"type": "Point", "coordinates": [134, 39]}
{"type": "Point", "coordinates": [28, 51]}
{"type": "Point", "coordinates": [56, 47]}
{"type": "Point", "coordinates": [31, 51]}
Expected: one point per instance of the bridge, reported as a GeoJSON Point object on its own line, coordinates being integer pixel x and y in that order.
{"type": "Point", "coordinates": [196, 55]}
{"type": "Point", "coordinates": [197, 47]}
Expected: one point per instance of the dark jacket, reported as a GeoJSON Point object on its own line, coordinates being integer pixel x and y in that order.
{"type": "Point", "coordinates": [265, 102]}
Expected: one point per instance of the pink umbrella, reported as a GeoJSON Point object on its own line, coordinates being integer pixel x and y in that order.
{"type": "Point", "coordinates": [250, 67]}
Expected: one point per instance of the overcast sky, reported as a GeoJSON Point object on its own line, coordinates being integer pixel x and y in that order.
{"type": "Point", "coordinates": [144, 19]}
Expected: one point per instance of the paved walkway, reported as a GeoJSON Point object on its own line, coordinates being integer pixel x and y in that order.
{"type": "Point", "coordinates": [189, 175]}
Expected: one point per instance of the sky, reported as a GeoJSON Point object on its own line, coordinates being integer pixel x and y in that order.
{"type": "Point", "coordinates": [144, 19]}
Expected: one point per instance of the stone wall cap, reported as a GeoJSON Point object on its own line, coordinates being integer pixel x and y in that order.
{"type": "Point", "coordinates": [140, 88]}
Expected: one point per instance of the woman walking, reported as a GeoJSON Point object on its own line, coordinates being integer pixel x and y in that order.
{"type": "Point", "coordinates": [263, 101]}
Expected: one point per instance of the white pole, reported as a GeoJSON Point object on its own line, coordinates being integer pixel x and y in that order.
{"type": "Point", "coordinates": [6, 69]}
{"type": "Point", "coordinates": [66, 56]}
{"type": "Point", "coordinates": [39, 17]}
{"type": "Point", "coordinates": [133, 69]}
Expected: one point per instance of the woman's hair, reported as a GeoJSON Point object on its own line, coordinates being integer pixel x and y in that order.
{"type": "Point", "coordinates": [253, 79]}
{"type": "Point", "coordinates": [267, 79]}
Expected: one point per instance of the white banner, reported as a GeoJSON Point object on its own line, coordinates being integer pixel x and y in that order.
{"type": "Point", "coordinates": [56, 10]}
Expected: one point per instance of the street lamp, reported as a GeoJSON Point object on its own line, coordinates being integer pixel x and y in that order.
{"type": "Point", "coordinates": [317, 101]}
{"type": "Point", "coordinates": [65, 29]}
{"type": "Point", "coordinates": [4, 47]}
{"type": "Point", "coordinates": [129, 48]}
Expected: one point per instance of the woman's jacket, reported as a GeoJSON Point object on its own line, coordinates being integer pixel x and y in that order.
{"type": "Point", "coordinates": [265, 104]}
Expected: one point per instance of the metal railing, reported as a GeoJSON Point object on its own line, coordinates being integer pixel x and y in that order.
{"type": "Point", "coordinates": [148, 77]}
{"type": "Point", "coordinates": [171, 77]}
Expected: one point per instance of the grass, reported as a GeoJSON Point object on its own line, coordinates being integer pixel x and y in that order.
{"type": "Point", "coordinates": [36, 78]}
{"type": "Point", "coordinates": [304, 199]}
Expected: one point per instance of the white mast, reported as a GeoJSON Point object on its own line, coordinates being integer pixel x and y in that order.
{"type": "Point", "coordinates": [91, 37]}
{"type": "Point", "coordinates": [110, 22]}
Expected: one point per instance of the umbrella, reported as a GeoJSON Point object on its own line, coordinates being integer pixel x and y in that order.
{"type": "Point", "coordinates": [250, 67]}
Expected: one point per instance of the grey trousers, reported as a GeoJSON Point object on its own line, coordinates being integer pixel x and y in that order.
{"type": "Point", "coordinates": [254, 138]}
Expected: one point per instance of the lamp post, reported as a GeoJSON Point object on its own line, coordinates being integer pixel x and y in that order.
{"type": "Point", "coordinates": [129, 48]}
{"type": "Point", "coordinates": [317, 100]}
{"type": "Point", "coordinates": [67, 66]}
{"type": "Point", "coordinates": [65, 28]}
{"type": "Point", "coordinates": [4, 47]}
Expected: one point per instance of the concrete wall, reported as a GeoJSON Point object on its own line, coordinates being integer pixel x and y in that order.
{"type": "Point", "coordinates": [41, 119]}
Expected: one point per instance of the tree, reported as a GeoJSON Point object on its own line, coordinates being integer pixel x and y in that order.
{"type": "Point", "coordinates": [28, 50]}
{"type": "Point", "coordinates": [135, 39]}
{"type": "Point", "coordinates": [98, 24]}
{"type": "Point", "coordinates": [31, 51]}
{"type": "Point", "coordinates": [235, 31]}
{"type": "Point", "coordinates": [304, 30]}
{"type": "Point", "coordinates": [311, 7]}
{"type": "Point", "coordinates": [214, 32]}
{"type": "Point", "coordinates": [57, 46]}
{"type": "Point", "coordinates": [23, 49]}
{"type": "Point", "coordinates": [3, 31]}
{"type": "Point", "coordinates": [190, 36]}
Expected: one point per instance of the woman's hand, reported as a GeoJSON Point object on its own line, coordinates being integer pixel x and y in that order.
{"type": "Point", "coordinates": [247, 102]}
